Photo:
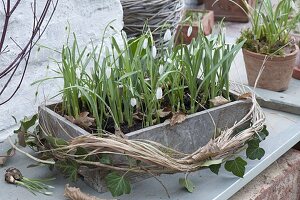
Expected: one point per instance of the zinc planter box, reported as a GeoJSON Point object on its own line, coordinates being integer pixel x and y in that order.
{"type": "Point", "coordinates": [187, 137]}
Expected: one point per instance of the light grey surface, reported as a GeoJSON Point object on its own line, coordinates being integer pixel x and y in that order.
{"type": "Point", "coordinates": [279, 101]}
{"type": "Point", "coordinates": [284, 133]}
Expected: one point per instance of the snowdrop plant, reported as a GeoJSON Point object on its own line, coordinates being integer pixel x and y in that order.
{"type": "Point", "coordinates": [135, 81]}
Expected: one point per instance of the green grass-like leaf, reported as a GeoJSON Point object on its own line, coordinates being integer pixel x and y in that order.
{"type": "Point", "coordinates": [117, 184]}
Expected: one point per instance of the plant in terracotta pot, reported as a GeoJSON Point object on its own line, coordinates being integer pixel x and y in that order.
{"type": "Point", "coordinates": [192, 19]}
{"type": "Point", "coordinates": [269, 50]}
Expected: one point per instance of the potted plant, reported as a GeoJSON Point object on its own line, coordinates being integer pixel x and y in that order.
{"type": "Point", "coordinates": [189, 26]}
{"type": "Point", "coordinates": [139, 111]}
{"type": "Point", "coordinates": [269, 52]}
{"type": "Point", "coordinates": [230, 10]}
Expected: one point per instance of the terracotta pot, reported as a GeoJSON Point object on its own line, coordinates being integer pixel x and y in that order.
{"type": "Point", "coordinates": [229, 10]}
{"type": "Point", "coordinates": [296, 73]}
{"type": "Point", "coordinates": [277, 72]}
{"type": "Point", "coordinates": [207, 22]}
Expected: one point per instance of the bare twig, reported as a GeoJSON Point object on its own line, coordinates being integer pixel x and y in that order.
{"type": "Point", "coordinates": [39, 26]}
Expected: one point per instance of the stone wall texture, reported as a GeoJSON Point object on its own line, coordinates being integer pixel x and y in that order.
{"type": "Point", "coordinates": [87, 18]}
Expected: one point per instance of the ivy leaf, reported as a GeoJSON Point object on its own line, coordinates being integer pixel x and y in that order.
{"type": "Point", "coordinates": [237, 166]}
{"type": "Point", "coordinates": [26, 123]}
{"type": "Point", "coordinates": [105, 159]}
{"type": "Point", "coordinates": [69, 168]}
{"type": "Point", "coordinates": [81, 151]}
{"type": "Point", "coordinates": [215, 168]}
{"type": "Point", "coordinates": [117, 184]}
{"type": "Point", "coordinates": [253, 150]}
{"type": "Point", "coordinates": [187, 184]}
{"type": "Point", "coordinates": [263, 133]}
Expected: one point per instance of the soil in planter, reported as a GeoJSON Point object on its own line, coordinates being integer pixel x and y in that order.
{"type": "Point", "coordinates": [137, 124]}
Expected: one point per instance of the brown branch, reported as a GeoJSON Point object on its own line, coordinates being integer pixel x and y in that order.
{"type": "Point", "coordinates": [37, 32]}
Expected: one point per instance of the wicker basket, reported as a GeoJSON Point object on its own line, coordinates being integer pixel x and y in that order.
{"type": "Point", "coordinates": [157, 14]}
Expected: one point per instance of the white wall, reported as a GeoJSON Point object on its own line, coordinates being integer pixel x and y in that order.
{"type": "Point", "coordinates": [87, 18]}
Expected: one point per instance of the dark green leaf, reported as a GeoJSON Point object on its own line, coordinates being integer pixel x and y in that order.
{"type": "Point", "coordinates": [81, 151]}
{"type": "Point", "coordinates": [254, 151]}
{"type": "Point", "coordinates": [237, 166]}
{"type": "Point", "coordinates": [26, 123]}
{"type": "Point", "coordinates": [69, 168]}
{"type": "Point", "coordinates": [187, 184]}
{"type": "Point", "coordinates": [117, 184]}
{"type": "Point", "coordinates": [215, 168]}
{"type": "Point", "coordinates": [263, 133]}
{"type": "Point", "coordinates": [105, 159]}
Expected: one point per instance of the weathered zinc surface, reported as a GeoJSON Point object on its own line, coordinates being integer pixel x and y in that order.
{"type": "Point", "coordinates": [186, 137]}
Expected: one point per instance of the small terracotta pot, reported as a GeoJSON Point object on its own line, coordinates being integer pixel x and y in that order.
{"type": "Point", "coordinates": [277, 72]}
{"type": "Point", "coordinates": [207, 22]}
{"type": "Point", "coordinates": [296, 73]}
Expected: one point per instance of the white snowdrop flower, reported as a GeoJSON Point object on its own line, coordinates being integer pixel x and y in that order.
{"type": "Point", "coordinates": [133, 102]}
{"type": "Point", "coordinates": [161, 69]}
{"type": "Point", "coordinates": [108, 72]}
{"type": "Point", "coordinates": [169, 60]}
{"type": "Point", "coordinates": [159, 93]}
{"type": "Point", "coordinates": [168, 35]}
{"type": "Point", "coordinates": [154, 51]}
{"type": "Point", "coordinates": [189, 31]}
{"type": "Point", "coordinates": [145, 43]}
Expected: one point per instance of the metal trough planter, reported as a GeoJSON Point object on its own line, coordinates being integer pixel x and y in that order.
{"type": "Point", "coordinates": [187, 137]}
